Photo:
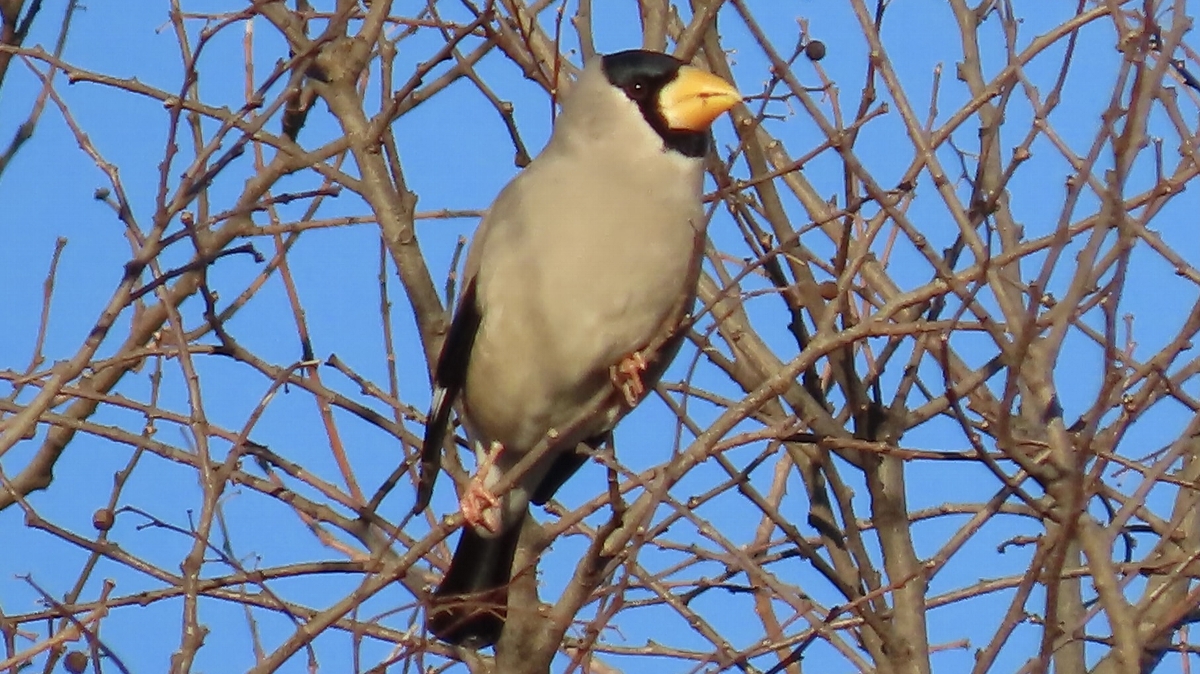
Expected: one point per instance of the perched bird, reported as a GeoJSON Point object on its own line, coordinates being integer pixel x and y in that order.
{"type": "Point", "coordinates": [575, 290]}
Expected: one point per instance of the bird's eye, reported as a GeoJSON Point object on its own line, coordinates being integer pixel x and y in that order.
{"type": "Point", "coordinates": [637, 89]}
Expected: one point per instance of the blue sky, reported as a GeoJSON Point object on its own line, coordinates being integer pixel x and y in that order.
{"type": "Point", "coordinates": [456, 155]}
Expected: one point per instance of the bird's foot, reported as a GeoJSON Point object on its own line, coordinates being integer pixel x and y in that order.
{"type": "Point", "coordinates": [480, 507]}
{"type": "Point", "coordinates": [627, 377]}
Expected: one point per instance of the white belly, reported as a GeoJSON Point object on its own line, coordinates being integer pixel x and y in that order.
{"type": "Point", "coordinates": [584, 279]}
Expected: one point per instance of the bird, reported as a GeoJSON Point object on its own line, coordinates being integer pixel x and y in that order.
{"type": "Point", "coordinates": [576, 290]}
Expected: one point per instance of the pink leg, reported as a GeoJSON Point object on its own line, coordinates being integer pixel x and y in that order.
{"type": "Point", "coordinates": [480, 507]}
{"type": "Point", "coordinates": [627, 377]}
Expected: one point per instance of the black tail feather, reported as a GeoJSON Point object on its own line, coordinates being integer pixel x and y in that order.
{"type": "Point", "coordinates": [470, 605]}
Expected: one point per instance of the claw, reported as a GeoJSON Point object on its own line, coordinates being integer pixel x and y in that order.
{"type": "Point", "coordinates": [480, 507]}
{"type": "Point", "coordinates": [627, 377]}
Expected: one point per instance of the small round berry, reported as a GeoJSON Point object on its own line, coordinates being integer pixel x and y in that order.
{"type": "Point", "coordinates": [76, 662]}
{"type": "Point", "coordinates": [102, 519]}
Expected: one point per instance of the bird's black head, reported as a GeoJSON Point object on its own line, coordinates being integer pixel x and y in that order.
{"type": "Point", "coordinates": [642, 75]}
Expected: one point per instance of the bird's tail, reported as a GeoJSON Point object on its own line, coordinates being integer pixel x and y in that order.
{"type": "Point", "coordinates": [468, 608]}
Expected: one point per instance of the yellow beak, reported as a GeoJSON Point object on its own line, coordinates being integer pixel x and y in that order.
{"type": "Point", "coordinates": [695, 98]}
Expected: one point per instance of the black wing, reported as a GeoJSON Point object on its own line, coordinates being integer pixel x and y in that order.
{"type": "Point", "coordinates": [449, 376]}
